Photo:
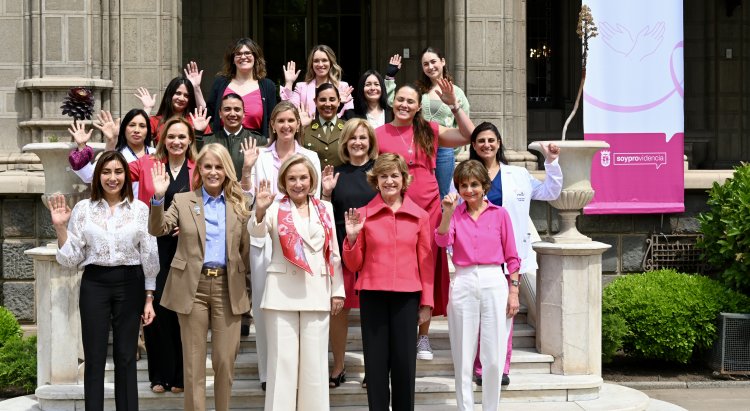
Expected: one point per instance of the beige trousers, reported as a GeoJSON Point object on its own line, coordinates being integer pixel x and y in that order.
{"type": "Point", "coordinates": [211, 307]}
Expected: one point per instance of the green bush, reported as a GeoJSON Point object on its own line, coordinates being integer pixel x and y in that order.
{"type": "Point", "coordinates": [726, 229]}
{"type": "Point", "coordinates": [614, 329]}
{"type": "Point", "coordinates": [668, 315]}
{"type": "Point", "coordinates": [9, 327]}
{"type": "Point", "coordinates": [18, 364]}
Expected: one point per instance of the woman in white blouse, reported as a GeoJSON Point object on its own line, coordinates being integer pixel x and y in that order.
{"type": "Point", "coordinates": [107, 236]}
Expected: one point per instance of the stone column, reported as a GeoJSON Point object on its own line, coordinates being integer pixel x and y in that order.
{"type": "Point", "coordinates": [489, 39]}
{"type": "Point", "coordinates": [58, 319]}
{"type": "Point", "coordinates": [569, 306]}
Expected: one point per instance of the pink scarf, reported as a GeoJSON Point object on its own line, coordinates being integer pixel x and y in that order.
{"type": "Point", "coordinates": [291, 242]}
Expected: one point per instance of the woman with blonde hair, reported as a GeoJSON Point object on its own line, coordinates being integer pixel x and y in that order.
{"type": "Point", "coordinates": [304, 286]}
{"type": "Point", "coordinates": [285, 140]}
{"type": "Point", "coordinates": [207, 284]}
{"type": "Point", "coordinates": [346, 187]}
{"type": "Point", "coordinates": [321, 68]}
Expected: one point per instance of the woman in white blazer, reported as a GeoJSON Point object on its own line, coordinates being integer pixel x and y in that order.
{"type": "Point", "coordinates": [304, 286]}
{"type": "Point", "coordinates": [513, 188]}
{"type": "Point", "coordinates": [284, 140]}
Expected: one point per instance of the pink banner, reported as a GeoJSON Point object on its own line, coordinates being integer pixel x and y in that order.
{"type": "Point", "coordinates": [639, 173]}
{"type": "Point", "coordinates": [634, 100]}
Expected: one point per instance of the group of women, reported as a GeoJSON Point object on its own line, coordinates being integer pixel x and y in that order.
{"type": "Point", "coordinates": [347, 205]}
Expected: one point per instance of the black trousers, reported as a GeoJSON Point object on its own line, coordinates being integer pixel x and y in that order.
{"type": "Point", "coordinates": [389, 338]}
{"type": "Point", "coordinates": [163, 342]}
{"type": "Point", "coordinates": [111, 296]}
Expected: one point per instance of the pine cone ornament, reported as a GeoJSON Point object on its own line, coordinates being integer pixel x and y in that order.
{"type": "Point", "coordinates": [79, 103]}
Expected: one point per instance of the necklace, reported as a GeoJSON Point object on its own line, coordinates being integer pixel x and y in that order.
{"type": "Point", "coordinates": [174, 169]}
{"type": "Point", "coordinates": [409, 147]}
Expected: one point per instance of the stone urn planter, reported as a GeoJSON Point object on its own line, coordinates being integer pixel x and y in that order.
{"type": "Point", "coordinates": [575, 161]}
{"type": "Point", "coordinates": [58, 176]}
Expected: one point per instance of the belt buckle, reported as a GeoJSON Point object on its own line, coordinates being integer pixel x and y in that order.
{"type": "Point", "coordinates": [212, 272]}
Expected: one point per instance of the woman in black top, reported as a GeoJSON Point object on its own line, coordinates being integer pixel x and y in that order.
{"type": "Point", "coordinates": [370, 100]}
{"type": "Point", "coordinates": [244, 73]}
{"type": "Point", "coordinates": [346, 187]}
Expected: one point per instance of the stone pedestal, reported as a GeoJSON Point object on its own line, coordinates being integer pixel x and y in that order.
{"type": "Point", "coordinates": [569, 306]}
{"type": "Point", "coordinates": [58, 319]}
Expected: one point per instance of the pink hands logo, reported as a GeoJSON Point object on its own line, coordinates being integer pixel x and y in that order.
{"type": "Point", "coordinates": [620, 40]}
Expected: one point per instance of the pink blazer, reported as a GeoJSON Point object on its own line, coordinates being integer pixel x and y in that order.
{"type": "Point", "coordinates": [305, 92]}
{"type": "Point", "coordinates": [393, 252]}
{"type": "Point", "coordinates": [140, 170]}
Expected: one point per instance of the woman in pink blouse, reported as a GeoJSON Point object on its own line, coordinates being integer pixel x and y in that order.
{"type": "Point", "coordinates": [321, 68]}
{"type": "Point", "coordinates": [388, 242]}
{"type": "Point", "coordinates": [482, 238]}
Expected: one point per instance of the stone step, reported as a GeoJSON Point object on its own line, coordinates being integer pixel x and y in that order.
{"type": "Point", "coordinates": [432, 390]}
{"type": "Point", "coordinates": [523, 361]}
{"type": "Point", "coordinates": [524, 336]}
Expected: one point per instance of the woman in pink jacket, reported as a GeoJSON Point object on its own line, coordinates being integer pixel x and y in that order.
{"type": "Point", "coordinates": [321, 68]}
{"type": "Point", "coordinates": [389, 243]}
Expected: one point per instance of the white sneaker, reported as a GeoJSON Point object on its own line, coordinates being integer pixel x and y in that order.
{"type": "Point", "coordinates": [424, 351]}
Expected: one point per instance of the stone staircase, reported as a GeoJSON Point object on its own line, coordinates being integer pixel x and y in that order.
{"type": "Point", "coordinates": [531, 380]}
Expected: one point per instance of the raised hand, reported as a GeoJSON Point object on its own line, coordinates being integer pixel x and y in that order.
{"type": "Point", "coordinates": [329, 180]}
{"type": "Point", "coordinates": [263, 197]}
{"type": "Point", "coordinates": [290, 74]}
{"type": "Point", "coordinates": [550, 151]}
{"type": "Point", "coordinates": [78, 131]}
{"type": "Point", "coordinates": [449, 203]}
{"type": "Point", "coordinates": [648, 40]}
{"type": "Point", "coordinates": [353, 223]}
{"type": "Point", "coordinates": [394, 65]}
{"type": "Point", "coordinates": [446, 92]}
{"type": "Point", "coordinates": [346, 94]}
{"type": "Point", "coordinates": [304, 116]}
{"type": "Point", "coordinates": [148, 100]}
{"type": "Point", "coordinates": [160, 179]}
{"type": "Point", "coordinates": [249, 154]}
{"type": "Point", "coordinates": [59, 210]}
{"type": "Point", "coordinates": [199, 119]}
{"type": "Point", "coordinates": [109, 127]}
{"type": "Point", "coordinates": [193, 74]}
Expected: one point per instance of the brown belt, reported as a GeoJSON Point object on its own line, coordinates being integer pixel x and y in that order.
{"type": "Point", "coordinates": [213, 272]}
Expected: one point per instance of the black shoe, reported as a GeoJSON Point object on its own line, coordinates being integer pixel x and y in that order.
{"type": "Point", "coordinates": [244, 330]}
{"type": "Point", "coordinates": [364, 382]}
{"type": "Point", "coordinates": [505, 380]}
{"type": "Point", "coordinates": [263, 386]}
{"type": "Point", "coordinates": [334, 382]}
{"type": "Point", "coordinates": [478, 380]}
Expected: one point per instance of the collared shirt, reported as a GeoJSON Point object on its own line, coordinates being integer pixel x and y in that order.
{"type": "Point", "coordinates": [215, 210]}
{"type": "Point", "coordinates": [99, 236]}
{"type": "Point", "coordinates": [488, 240]}
{"type": "Point", "coordinates": [230, 134]}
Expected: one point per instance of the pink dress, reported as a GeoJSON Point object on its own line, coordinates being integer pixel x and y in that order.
{"type": "Point", "coordinates": [423, 191]}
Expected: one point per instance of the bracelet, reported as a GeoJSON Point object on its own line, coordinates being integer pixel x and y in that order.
{"type": "Point", "coordinates": [151, 296]}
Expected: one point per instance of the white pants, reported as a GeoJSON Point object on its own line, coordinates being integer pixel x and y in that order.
{"type": "Point", "coordinates": [477, 302]}
{"type": "Point", "coordinates": [297, 360]}
{"type": "Point", "coordinates": [260, 255]}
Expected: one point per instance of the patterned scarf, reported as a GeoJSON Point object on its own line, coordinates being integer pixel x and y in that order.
{"type": "Point", "coordinates": [291, 242]}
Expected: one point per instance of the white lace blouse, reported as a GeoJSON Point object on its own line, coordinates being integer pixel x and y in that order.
{"type": "Point", "coordinates": [96, 236]}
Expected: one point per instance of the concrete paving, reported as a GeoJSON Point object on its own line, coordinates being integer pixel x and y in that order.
{"type": "Point", "coordinates": [705, 399]}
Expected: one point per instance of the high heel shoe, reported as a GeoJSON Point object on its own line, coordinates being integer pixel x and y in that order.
{"type": "Point", "coordinates": [334, 382]}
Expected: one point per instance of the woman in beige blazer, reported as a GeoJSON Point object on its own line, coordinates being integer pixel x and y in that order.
{"type": "Point", "coordinates": [304, 286]}
{"type": "Point", "coordinates": [206, 283]}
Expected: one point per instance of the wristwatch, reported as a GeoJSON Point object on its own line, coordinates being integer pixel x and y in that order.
{"type": "Point", "coordinates": [454, 108]}
{"type": "Point", "coordinates": [515, 283]}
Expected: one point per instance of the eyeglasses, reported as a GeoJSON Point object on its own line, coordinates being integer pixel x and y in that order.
{"type": "Point", "coordinates": [241, 54]}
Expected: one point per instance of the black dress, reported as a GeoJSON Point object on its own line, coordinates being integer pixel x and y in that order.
{"type": "Point", "coordinates": [352, 191]}
{"type": "Point", "coordinates": [163, 342]}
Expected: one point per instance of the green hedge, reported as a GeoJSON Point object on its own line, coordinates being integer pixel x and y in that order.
{"type": "Point", "coordinates": [664, 314]}
{"type": "Point", "coordinates": [9, 326]}
{"type": "Point", "coordinates": [17, 356]}
{"type": "Point", "coordinates": [726, 229]}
